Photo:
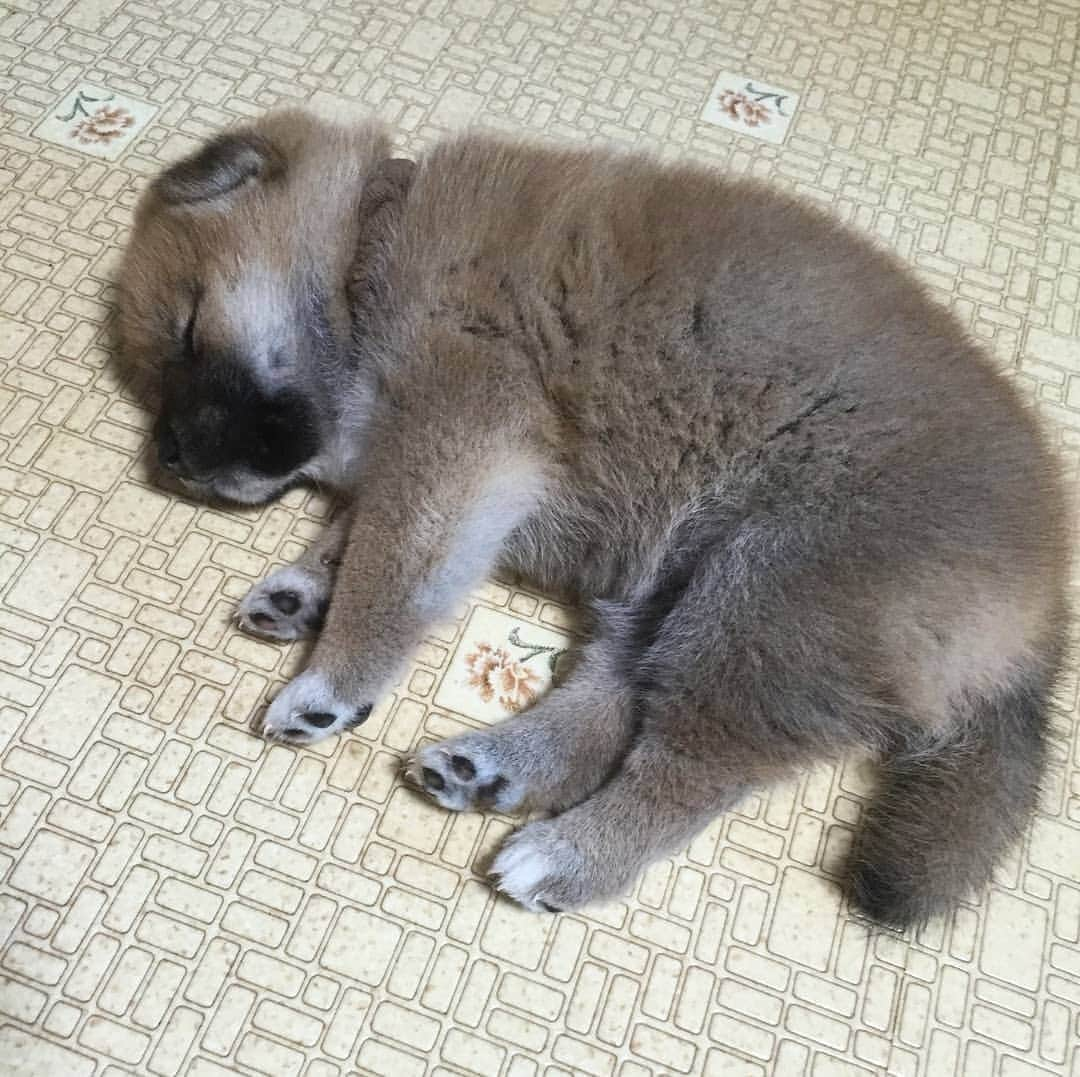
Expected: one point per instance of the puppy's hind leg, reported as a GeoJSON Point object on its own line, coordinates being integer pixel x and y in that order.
{"type": "Point", "coordinates": [697, 747]}
{"type": "Point", "coordinates": [656, 802]}
{"type": "Point", "coordinates": [549, 758]}
{"type": "Point", "coordinates": [735, 688]}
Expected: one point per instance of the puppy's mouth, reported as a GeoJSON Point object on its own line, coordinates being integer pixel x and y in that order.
{"type": "Point", "coordinates": [224, 489]}
{"type": "Point", "coordinates": [180, 484]}
{"type": "Point", "coordinates": [231, 479]}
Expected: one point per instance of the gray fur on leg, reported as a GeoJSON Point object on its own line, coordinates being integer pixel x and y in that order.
{"type": "Point", "coordinates": [549, 758]}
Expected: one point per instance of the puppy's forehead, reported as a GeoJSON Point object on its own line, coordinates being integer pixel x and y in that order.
{"type": "Point", "coordinates": [250, 309]}
{"type": "Point", "coordinates": [249, 290]}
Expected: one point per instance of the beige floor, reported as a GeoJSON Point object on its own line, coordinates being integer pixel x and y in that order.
{"type": "Point", "coordinates": [179, 897]}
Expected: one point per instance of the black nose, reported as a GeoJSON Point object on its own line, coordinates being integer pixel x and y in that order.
{"type": "Point", "coordinates": [168, 449]}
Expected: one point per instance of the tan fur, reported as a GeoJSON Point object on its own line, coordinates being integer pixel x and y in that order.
{"type": "Point", "coordinates": [808, 515]}
{"type": "Point", "coordinates": [266, 265]}
{"type": "Point", "coordinates": [270, 230]}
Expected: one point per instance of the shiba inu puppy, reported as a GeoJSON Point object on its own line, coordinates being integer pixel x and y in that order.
{"type": "Point", "coordinates": [807, 515]}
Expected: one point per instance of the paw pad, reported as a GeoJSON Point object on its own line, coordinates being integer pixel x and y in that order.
{"type": "Point", "coordinates": [308, 709]}
{"type": "Point", "coordinates": [360, 716]}
{"type": "Point", "coordinates": [463, 767]}
{"type": "Point", "coordinates": [288, 602]}
{"type": "Point", "coordinates": [467, 773]}
{"type": "Point", "coordinates": [489, 793]}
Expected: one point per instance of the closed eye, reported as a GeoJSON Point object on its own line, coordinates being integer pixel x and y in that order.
{"type": "Point", "coordinates": [188, 340]}
{"type": "Point", "coordinates": [186, 352]}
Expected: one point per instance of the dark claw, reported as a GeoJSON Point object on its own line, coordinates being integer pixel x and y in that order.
{"type": "Point", "coordinates": [292, 731]}
{"type": "Point", "coordinates": [320, 719]}
{"type": "Point", "coordinates": [433, 779]}
{"type": "Point", "coordinates": [548, 908]}
{"type": "Point", "coordinates": [261, 620]}
{"type": "Point", "coordinates": [463, 767]}
{"type": "Point", "coordinates": [285, 601]}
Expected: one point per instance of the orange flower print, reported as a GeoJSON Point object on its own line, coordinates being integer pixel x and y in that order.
{"type": "Point", "coordinates": [518, 686]}
{"type": "Point", "coordinates": [482, 664]}
{"type": "Point", "coordinates": [104, 125]}
{"type": "Point", "coordinates": [739, 107]}
{"type": "Point", "coordinates": [493, 672]}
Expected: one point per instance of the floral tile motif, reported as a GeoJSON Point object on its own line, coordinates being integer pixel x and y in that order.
{"type": "Point", "coordinates": [181, 899]}
{"type": "Point", "coordinates": [500, 667]}
{"type": "Point", "coordinates": [750, 107]}
{"type": "Point", "coordinates": [95, 120]}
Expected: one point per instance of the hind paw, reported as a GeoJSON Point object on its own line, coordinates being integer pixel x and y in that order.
{"type": "Point", "coordinates": [466, 773]}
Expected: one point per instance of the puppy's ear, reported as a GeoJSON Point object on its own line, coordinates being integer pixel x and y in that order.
{"type": "Point", "coordinates": [386, 187]}
{"type": "Point", "coordinates": [379, 208]}
{"type": "Point", "coordinates": [221, 166]}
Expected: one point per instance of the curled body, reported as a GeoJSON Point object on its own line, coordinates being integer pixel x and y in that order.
{"type": "Point", "coordinates": [807, 516]}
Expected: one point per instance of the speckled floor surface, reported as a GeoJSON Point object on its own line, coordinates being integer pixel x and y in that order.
{"type": "Point", "coordinates": [178, 897]}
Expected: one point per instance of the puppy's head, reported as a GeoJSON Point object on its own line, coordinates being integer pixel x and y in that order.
{"type": "Point", "coordinates": [232, 297]}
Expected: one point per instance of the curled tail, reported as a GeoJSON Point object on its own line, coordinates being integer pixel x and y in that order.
{"type": "Point", "coordinates": [947, 811]}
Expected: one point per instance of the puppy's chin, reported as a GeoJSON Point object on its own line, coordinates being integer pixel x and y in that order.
{"type": "Point", "coordinates": [238, 488]}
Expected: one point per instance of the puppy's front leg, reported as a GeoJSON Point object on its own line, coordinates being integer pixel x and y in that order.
{"type": "Point", "coordinates": [440, 494]}
{"type": "Point", "coordinates": [291, 602]}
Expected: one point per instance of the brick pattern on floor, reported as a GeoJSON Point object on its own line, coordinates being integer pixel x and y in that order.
{"type": "Point", "coordinates": [179, 897]}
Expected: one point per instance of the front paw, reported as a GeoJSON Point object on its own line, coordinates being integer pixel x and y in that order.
{"type": "Point", "coordinates": [308, 710]}
{"type": "Point", "coordinates": [466, 773]}
{"type": "Point", "coordinates": [289, 604]}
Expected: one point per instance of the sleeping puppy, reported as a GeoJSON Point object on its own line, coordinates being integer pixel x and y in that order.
{"type": "Point", "coordinates": [809, 517]}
